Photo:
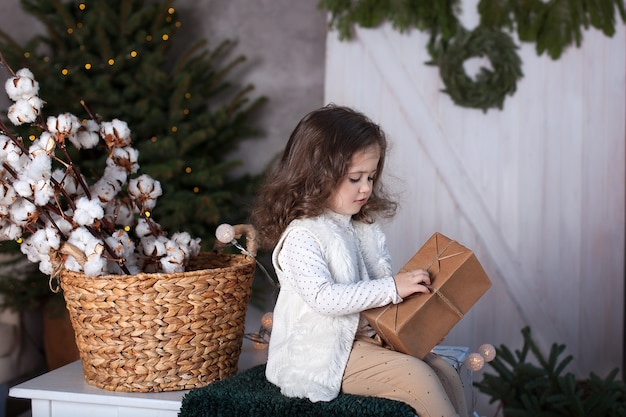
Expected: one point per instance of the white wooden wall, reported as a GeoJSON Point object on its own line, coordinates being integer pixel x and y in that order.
{"type": "Point", "coordinates": [536, 190]}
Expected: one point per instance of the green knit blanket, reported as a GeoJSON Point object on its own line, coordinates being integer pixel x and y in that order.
{"type": "Point", "coordinates": [249, 394]}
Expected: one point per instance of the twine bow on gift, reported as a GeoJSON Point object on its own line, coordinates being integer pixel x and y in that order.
{"type": "Point", "coordinates": [438, 258]}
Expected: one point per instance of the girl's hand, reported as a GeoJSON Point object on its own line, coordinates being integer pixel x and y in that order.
{"type": "Point", "coordinates": [410, 282]}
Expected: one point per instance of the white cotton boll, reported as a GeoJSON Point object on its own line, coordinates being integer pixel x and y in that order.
{"type": "Point", "coordinates": [116, 133]}
{"type": "Point", "coordinates": [22, 212]}
{"type": "Point", "coordinates": [64, 124]}
{"type": "Point", "coordinates": [22, 112]}
{"type": "Point", "coordinates": [120, 212]}
{"type": "Point", "coordinates": [23, 187]}
{"type": "Point", "coordinates": [25, 73]}
{"type": "Point", "coordinates": [89, 245]}
{"type": "Point", "coordinates": [79, 237]}
{"type": "Point", "coordinates": [35, 104]}
{"type": "Point", "coordinates": [44, 143]}
{"type": "Point", "coordinates": [95, 266]}
{"type": "Point", "coordinates": [4, 143]}
{"type": "Point", "coordinates": [53, 239]}
{"type": "Point", "coordinates": [42, 192]}
{"type": "Point", "coordinates": [16, 158]}
{"type": "Point", "coordinates": [191, 246]}
{"type": "Point", "coordinates": [125, 158]}
{"type": "Point", "coordinates": [132, 265]}
{"type": "Point", "coordinates": [120, 243]}
{"type": "Point", "coordinates": [64, 225]}
{"type": "Point", "coordinates": [87, 135]}
{"type": "Point", "coordinates": [104, 190]}
{"type": "Point", "coordinates": [115, 174]}
{"type": "Point", "coordinates": [38, 245]}
{"type": "Point", "coordinates": [68, 182]}
{"type": "Point", "coordinates": [9, 151]}
{"type": "Point", "coordinates": [32, 254]}
{"type": "Point", "coordinates": [107, 187]}
{"type": "Point", "coordinates": [9, 230]}
{"type": "Point", "coordinates": [173, 262]}
{"type": "Point", "coordinates": [175, 258]}
{"type": "Point", "coordinates": [154, 246]}
{"type": "Point", "coordinates": [7, 194]}
{"type": "Point", "coordinates": [59, 176]}
{"type": "Point", "coordinates": [45, 266]}
{"type": "Point", "coordinates": [22, 86]}
{"type": "Point", "coordinates": [142, 229]}
{"type": "Point", "coordinates": [87, 211]}
{"type": "Point", "coordinates": [40, 167]}
{"type": "Point", "coordinates": [71, 264]}
{"type": "Point", "coordinates": [145, 190]}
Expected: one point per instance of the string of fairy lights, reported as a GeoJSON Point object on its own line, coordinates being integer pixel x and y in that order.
{"type": "Point", "coordinates": [111, 61]}
{"type": "Point", "coordinates": [225, 234]}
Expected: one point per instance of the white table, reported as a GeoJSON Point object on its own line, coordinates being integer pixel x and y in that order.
{"type": "Point", "coordinates": [64, 391]}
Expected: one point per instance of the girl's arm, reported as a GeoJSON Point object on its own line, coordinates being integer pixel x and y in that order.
{"type": "Point", "coordinates": [303, 265]}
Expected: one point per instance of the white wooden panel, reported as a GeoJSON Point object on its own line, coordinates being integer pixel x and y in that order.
{"type": "Point", "coordinates": [537, 190]}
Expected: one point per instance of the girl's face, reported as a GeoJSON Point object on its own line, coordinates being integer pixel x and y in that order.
{"type": "Point", "coordinates": [355, 188]}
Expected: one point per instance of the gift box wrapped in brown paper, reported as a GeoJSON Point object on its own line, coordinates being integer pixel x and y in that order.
{"type": "Point", "coordinates": [421, 321]}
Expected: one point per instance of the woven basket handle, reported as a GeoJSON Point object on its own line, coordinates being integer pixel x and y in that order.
{"type": "Point", "coordinates": [246, 230]}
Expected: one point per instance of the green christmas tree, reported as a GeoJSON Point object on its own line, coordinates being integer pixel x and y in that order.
{"type": "Point", "coordinates": [114, 59]}
{"type": "Point", "coordinates": [185, 116]}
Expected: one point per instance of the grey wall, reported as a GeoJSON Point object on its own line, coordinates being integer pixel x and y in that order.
{"type": "Point", "coordinates": [283, 40]}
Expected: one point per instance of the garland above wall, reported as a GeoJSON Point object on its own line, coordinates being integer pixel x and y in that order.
{"type": "Point", "coordinates": [552, 25]}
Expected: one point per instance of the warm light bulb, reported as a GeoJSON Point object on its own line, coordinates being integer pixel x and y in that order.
{"type": "Point", "coordinates": [259, 345]}
{"type": "Point", "coordinates": [474, 361]}
{"type": "Point", "coordinates": [267, 320]}
{"type": "Point", "coordinates": [225, 233]}
{"type": "Point", "coordinates": [487, 351]}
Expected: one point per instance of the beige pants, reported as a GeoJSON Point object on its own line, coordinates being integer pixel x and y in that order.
{"type": "Point", "coordinates": [432, 386]}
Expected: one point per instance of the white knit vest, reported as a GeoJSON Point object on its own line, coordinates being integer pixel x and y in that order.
{"type": "Point", "coordinates": [308, 352]}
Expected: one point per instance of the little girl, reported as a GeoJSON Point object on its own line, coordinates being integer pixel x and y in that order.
{"type": "Point", "coordinates": [318, 210]}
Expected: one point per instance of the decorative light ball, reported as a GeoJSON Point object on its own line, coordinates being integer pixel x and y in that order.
{"type": "Point", "coordinates": [267, 320]}
{"type": "Point", "coordinates": [488, 352]}
{"type": "Point", "coordinates": [225, 233]}
{"type": "Point", "coordinates": [474, 361]}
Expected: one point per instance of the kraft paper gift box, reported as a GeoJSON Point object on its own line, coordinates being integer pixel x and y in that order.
{"type": "Point", "coordinates": [421, 321]}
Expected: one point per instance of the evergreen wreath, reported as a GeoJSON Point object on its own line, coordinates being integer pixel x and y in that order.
{"type": "Point", "coordinates": [553, 25]}
{"type": "Point", "coordinates": [490, 87]}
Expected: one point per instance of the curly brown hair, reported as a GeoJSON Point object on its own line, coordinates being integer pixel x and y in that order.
{"type": "Point", "coordinates": [315, 159]}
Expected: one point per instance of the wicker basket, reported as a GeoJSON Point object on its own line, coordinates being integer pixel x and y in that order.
{"type": "Point", "coordinates": [162, 332]}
